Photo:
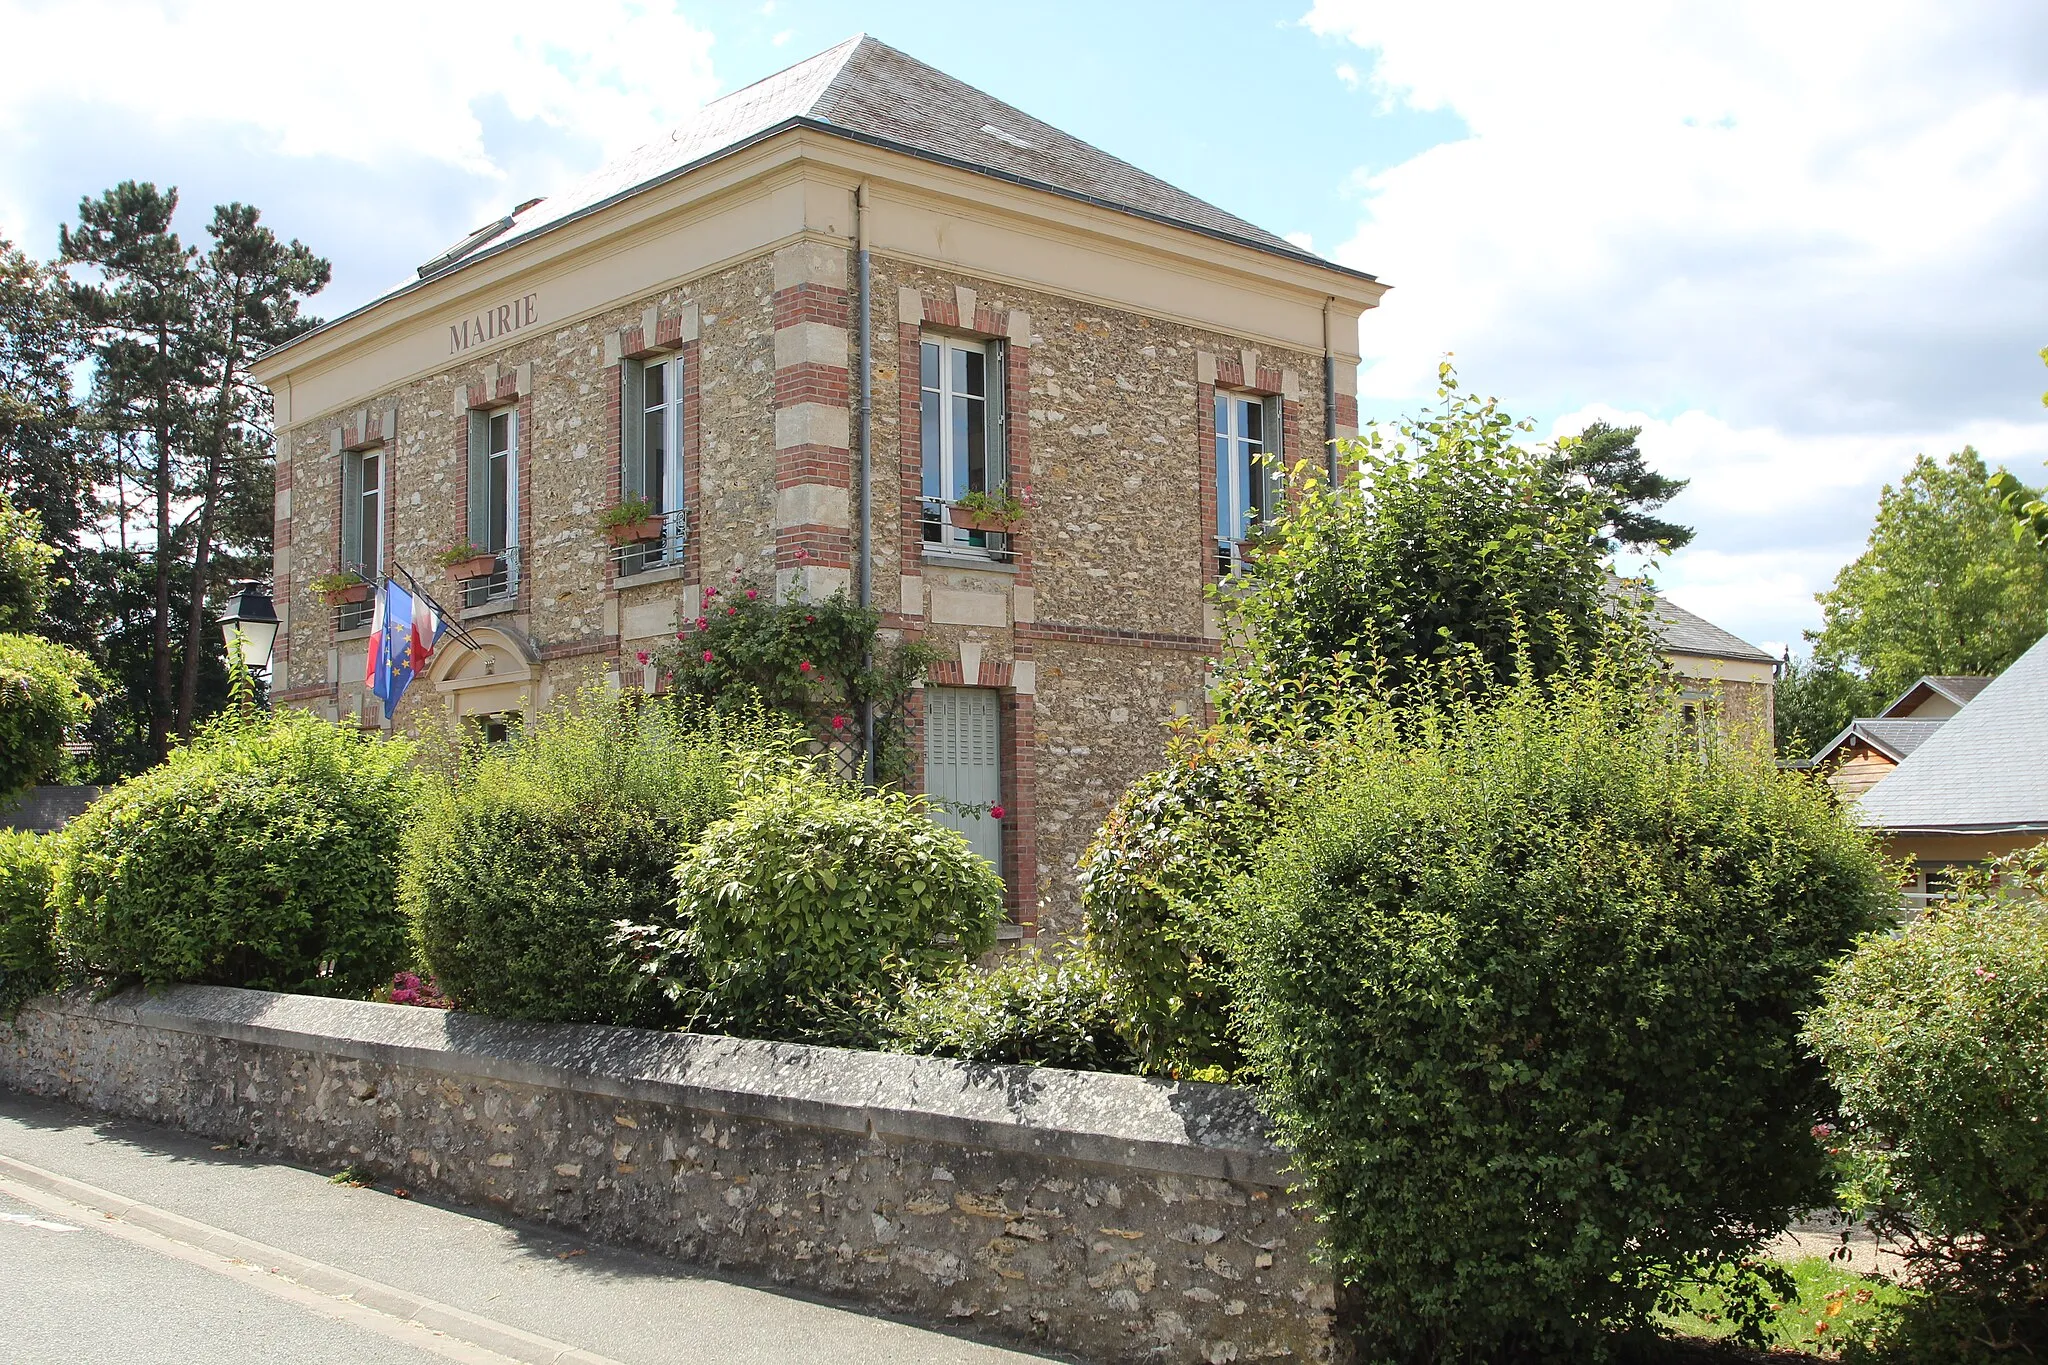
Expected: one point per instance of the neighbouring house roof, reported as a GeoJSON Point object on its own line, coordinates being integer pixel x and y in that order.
{"type": "Point", "coordinates": [1984, 770]}
{"type": "Point", "coordinates": [1895, 739]}
{"type": "Point", "coordinates": [866, 90]}
{"type": "Point", "coordinates": [1961, 689]}
{"type": "Point", "coordinates": [1684, 633]}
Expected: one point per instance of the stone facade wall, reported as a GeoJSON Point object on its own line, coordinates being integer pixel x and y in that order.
{"type": "Point", "coordinates": [1095, 633]}
{"type": "Point", "coordinates": [1119, 1218]}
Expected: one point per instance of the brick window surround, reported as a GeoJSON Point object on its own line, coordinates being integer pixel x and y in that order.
{"type": "Point", "coordinates": [960, 312]}
{"type": "Point", "coordinates": [674, 339]}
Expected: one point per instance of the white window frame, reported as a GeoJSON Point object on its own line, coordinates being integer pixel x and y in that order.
{"type": "Point", "coordinates": [370, 512]}
{"type": "Point", "coordinates": [670, 368]}
{"type": "Point", "coordinates": [952, 481]}
{"type": "Point", "coordinates": [511, 454]}
{"type": "Point", "coordinates": [1241, 477]}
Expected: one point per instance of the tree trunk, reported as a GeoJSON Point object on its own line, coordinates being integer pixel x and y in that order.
{"type": "Point", "coordinates": [160, 630]}
{"type": "Point", "coordinates": [202, 554]}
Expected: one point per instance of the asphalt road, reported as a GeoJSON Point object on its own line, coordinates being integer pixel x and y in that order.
{"type": "Point", "coordinates": [122, 1242]}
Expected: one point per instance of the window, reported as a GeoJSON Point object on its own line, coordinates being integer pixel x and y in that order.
{"type": "Point", "coordinates": [1247, 448]}
{"type": "Point", "coordinates": [963, 762]}
{"type": "Point", "coordinates": [362, 529]}
{"type": "Point", "coordinates": [502, 480]}
{"type": "Point", "coordinates": [494, 502]}
{"type": "Point", "coordinates": [961, 409]}
{"type": "Point", "coordinates": [651, 457]}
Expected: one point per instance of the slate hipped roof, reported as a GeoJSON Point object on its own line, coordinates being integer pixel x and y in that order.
{"type": "Point", "coordinates": [868, 91]}
{"type": "Point", "coordinates": [1985, 770]}
{"type": "Point", "coordinates": [1684, 633]}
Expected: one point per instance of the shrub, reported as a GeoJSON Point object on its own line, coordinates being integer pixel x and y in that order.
{"type": "Point", "coordinates": [28, 944]}
{"type": "Point", "coordinates": [262, 854]}
{"type": "Point", "coordinates": [46, 692]}
{"type": "Point", "coordinates": [1155, 887]}
{"type": "Point", "coordinates": [1937, 1039]}
{"type": "Point", "coordinates": [809, 908]}
{"type": "Point", "coordinates": [1028, 1009]}
{"type": "Point", "coordinates": [524, 857]}
{"type": "Point", "coordinates": [1524, 986]}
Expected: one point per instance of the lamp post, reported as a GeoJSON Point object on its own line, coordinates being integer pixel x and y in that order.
{"type": "Point", "coordinates": [251, 621]}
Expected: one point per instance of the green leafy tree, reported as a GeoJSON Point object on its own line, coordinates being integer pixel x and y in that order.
{"type": "Point", "coordinates": [47, 464]}
{"type": "Point", "coordinates": [1604, 462]}
{"type": "Point", "coordinates": [1452, 541]}
{"type": "Point", "coordinates": [25, 563]}
{"type": "Point", "coordinates": [1942, 587]}
{"type": "Point", "coordinates": [1816, 700]}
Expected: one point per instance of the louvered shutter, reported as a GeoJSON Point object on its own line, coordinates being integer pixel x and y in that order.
{"type": "Point", "coordinates": [633, 429]}
{"type": "Point", "coordinates": [351, 508]}
{"type": "Point", "coordinates": [479, 530]}
{"type": "Point", "coordinates": [963, 761]}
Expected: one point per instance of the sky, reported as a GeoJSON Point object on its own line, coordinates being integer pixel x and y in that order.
{"type": "Point", "coordinates": [1798, 244]}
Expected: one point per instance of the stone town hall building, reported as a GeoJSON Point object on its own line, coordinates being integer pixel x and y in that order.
{"type": "Point", "coordinates": [687, 325]}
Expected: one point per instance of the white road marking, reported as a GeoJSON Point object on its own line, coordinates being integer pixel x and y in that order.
{"type": "Point", "coordinates": [31, 1221]}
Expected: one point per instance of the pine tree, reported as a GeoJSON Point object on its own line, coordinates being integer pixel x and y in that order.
{"type": "Point", "coordinates": [1605, 463]}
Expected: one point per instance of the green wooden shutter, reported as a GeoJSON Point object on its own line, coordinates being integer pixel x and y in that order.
{"type": "Point", "coordinates": [479, 529]}
{"type": "Point", "coordinates": [632, 429]}
{"type": "Point", "coordinates": [351, 508]}
{"type": "Point", "coordinates": [963, 761]}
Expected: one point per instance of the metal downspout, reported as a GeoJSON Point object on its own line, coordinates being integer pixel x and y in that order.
{"type": "Point", "coordinates": [861, 438]}
{"type": "Point", "coordinates": [1329, 395]}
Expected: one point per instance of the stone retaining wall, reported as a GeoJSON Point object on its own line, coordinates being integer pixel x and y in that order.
{"type": "Point", "coordinates": [1119, 1218]}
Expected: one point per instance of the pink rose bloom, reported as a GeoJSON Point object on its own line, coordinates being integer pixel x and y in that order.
{"type": "Point", "coordinates": [703, 624]}
{"type": "Point", "coordinates": [804, 667]}
{"type": "Point", "coordinates": [753, 593]}
{"type": "Point", "coordinates": [710, 593]}
{"type": "Point", "coordinates": [732, 611]}
{"type": "Point", "coordinates": [995, 812]}
{"type": "Point", "coordinates": [642, 657]}
{"type": "Point", "coordinates": [707, 656]}
{"type": "Point", "coordinates": [839, 722]}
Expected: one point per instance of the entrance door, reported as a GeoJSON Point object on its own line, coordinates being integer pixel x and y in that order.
{"type": "Point", "coordinates": [963, 761]}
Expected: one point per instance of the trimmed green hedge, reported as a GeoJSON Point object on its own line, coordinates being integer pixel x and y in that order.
{"type": "Point", "coordinates": [1030, 1009]}
{"type": "Point", "coordinates": [28, 944]}
{"type": "Point", "coordinates": [262, 854]}
{"type": "Point", "coordinates": [808, 910]}
{"type": "Point", "coordinates": [1524, 986]}
{"type": "Point", "coordinates": [522, 862]}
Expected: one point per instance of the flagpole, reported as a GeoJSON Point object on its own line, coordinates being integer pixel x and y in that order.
{"type": "Point", "coordinates": [449, 621]}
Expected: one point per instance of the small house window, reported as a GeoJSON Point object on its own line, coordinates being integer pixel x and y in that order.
{"type": "Point", "coordinates": [651, 458]}
{"type": "Point", "coordinates": [961, 410]}
{"type": "Point", "coordinates": [1247, 448]}
{"type": "Point", "coordinates": [494, 494]}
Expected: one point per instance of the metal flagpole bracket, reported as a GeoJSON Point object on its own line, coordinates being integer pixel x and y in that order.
{"type": "Point", "coordinates": [449, 621]}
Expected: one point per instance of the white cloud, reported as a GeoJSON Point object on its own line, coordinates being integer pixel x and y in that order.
{"type": "Point", "coordinates": [1302, 240]}
{"type": "Point", "coordinates": [382, 80]}
{"type": "Point", "coordinates": [1807, 237]}
{"type": "Point", "coordinates": [782, 39]}
{"type": "Point", "coordinates": [1348, 74]}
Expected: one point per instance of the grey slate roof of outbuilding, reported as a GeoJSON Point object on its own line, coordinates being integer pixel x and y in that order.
{"type": "Point", "coordinates": [1684, 633]}
{"type": "Point", "coordinates": [1895, 739]}
{"type": "Point", "coordinates": [867, 90]}
{"type": "Point", "coordinates": [1960, 688]}
{"type": "Point", "coordinates": [1985, 770]}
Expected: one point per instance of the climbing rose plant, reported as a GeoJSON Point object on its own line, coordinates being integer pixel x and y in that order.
{"type": "Point", "coordinates": [819, 663]}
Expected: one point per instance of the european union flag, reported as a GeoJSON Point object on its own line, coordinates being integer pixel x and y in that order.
{"type": "Point", "coordinates": [403, 633]}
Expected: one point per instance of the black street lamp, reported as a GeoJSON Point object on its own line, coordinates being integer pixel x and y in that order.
{"type": "Point", "coordinates": [252, 620]}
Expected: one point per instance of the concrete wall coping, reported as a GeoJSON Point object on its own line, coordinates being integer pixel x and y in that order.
{"type": "Point", "coordinates": [1149, 1125]}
